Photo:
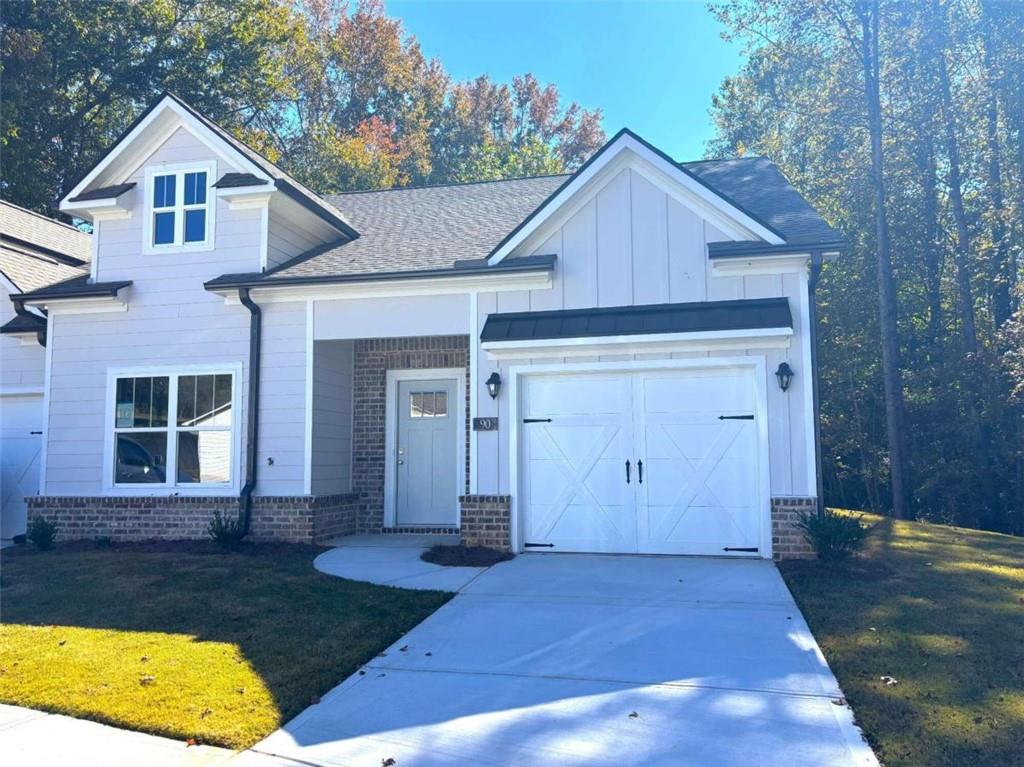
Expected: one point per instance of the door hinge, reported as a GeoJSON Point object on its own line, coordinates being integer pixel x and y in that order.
{"type": "Point", "coordinates": [536, 420]}
{"type": "Point", "coordinates": [538, 545]}
{"type": "Point", "coordinates": [735, 418]}
{"type": "Point", "coordinates": [752, 549]}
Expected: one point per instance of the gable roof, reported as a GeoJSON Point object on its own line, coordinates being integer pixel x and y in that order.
{"type": "Point", "coordinates": [36, 251]}
{"type": "Point", "coordinates": [252, 162]}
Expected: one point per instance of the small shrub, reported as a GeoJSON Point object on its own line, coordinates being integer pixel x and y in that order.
{"type": "Point", "coordinates": [104, 542]}
{"type": "Point", "coordinates": [42, 533]}
{"type": "Point", "coordinates": [226, 532]}
{"type": "Point", "coordinates": [833, 536]}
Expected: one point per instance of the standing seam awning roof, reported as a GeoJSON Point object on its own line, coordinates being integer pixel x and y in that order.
{"type": "Point", "coordinates": [701, 316]}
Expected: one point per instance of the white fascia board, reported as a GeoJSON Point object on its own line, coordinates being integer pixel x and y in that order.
{"type": "Point", "coordinates": [756, 265]}
{"type": "Point", "coordinates": [662, 173]}
{"type": "Point", "coordinates": [432, 286]}
{"type": "Point", "coordinates": [92, 305]}
{"type": "Point", "coordinates": [714, 340]}
{"type": "Point", "coordinates": [133, 153]}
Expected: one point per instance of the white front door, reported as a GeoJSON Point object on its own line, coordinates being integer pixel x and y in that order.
{"type": "Point", "coordinates": [652, 462]}
{"type": "Point", "coordinates": [426, 455]}
{"type": "Point", "coordinates": [21, 419]}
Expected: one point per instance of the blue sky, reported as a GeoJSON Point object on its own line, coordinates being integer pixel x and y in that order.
{"type": "Point", "coordinates": [651, 66]}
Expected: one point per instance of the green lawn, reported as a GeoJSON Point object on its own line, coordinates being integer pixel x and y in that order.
{"type": "Point", "coordinates": [184, 641]}
{"type": "Point", "coordinates": [941, 610]}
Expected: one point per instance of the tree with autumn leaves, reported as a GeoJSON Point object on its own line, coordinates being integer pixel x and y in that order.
{"type": "Point", "coordinates": [337, 95]}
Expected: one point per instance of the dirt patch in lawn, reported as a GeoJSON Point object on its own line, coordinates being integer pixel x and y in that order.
{"type": "Point", "coordinates": [465, 556]}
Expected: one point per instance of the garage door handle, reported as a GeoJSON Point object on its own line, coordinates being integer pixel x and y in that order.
{"type": "Point", "coordinates": [640, 471]}
{"type": "Point", "coordinates": [627, 471]}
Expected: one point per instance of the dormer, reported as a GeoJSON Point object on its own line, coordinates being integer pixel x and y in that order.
{"type": "Point", "coordinates": [176, 172]}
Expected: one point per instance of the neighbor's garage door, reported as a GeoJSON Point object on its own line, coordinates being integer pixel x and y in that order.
{"type": "Point", "coordinates": [654, 462]}
{"type": "Point", "coordinates": [21, 419]}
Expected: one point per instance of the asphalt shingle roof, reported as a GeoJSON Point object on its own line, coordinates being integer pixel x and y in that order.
{"type": "Point", "coordinates": [433, 227]}
{"type": "Point", "coordinates": [36, 251]}
{"type": "Point", "coordinates": [425, 227]}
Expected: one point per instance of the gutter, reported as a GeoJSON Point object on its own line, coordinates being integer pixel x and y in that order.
{"type": "Point", "coordinates": [812, 307]}
{"type": "Point", "coordinates": [21, 311]}
{"type": "Point", "coordinates": [251, 426]}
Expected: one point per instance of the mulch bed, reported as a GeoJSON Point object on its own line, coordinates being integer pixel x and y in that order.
{"type": "Point", "coordinates": [465, 556]}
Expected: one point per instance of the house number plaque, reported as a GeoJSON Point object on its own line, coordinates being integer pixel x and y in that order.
{"type": "Point", "coordinates": [485, 424]}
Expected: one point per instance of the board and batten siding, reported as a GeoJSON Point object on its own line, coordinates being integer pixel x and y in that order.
{"type": "Point", "coordinates": [172, 321]}
{"type": "Point", "coordinates": [633, 244]}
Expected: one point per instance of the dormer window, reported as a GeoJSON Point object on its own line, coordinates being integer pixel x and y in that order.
{"type": "Point", "coordinates": [179, 208]}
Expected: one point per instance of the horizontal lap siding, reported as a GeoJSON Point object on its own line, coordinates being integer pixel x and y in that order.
{"type": "Point", "coordinates": [332, 417]}
{"type": "Point", "coordinates": [632, 244]}
{"type": "Point", "coordinates": [171, 321]}
{"type": "Point", "coordinates": [20, 365]}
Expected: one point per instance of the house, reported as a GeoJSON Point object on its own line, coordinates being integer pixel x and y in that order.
{"type": "Point", "coordinates": [617, 360]}
{"type": "Point", "coordinates": [35, 252]}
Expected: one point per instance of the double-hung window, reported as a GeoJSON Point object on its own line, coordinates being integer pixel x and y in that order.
{"type": "Point", "coordinates": [173, 430]}
{"type": "Point", "coordinates": [180, 208]}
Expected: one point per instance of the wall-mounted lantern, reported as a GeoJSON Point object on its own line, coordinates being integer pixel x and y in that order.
{"type": "Point", "coordinates": [494, 384]}
{"type": "Point", "coordinates": [785, 375]}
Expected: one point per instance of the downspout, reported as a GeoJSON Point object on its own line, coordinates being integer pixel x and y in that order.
{"type": "Point", "coordinates": [251, 430]}
{"type": "Point", "coordinates": [812, 306]}
{"type": "Point", "coordinates": [21, 311]}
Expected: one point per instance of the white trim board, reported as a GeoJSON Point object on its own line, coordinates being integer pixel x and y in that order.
{"type": "Point", "coordinates": [714, 340]}
{"type": "Point", "coordinates": [392, 378]}
{"type": "Point", "coordinates": [756, 365]}
{"type": "Point", "coordinates": [627, 151]}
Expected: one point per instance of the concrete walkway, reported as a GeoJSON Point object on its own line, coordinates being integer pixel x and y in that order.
{"type": "Point", "coordinates": [593, 660]}
{"type": "Point", "coordinates": [394, 560]}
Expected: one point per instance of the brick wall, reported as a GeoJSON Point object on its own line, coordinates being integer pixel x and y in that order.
{"type": "Point", "coordinates": [788, 540]}
{"type": "Point", "coordinates": [373, 358]}
{"type": "Point", "coordinates": [485, 521]}
{"type": "Point", "coordinates": [299, 519]}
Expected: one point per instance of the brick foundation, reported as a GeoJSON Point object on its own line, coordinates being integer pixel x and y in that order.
{"type": "Point", "coordinates": [297, 519]}
{"type": "Point", "coordinates": [485, 521]}
{"type": "Point", "coordinates": [788, 540]}
{"type": "Point", "coordinates": [374, 357]}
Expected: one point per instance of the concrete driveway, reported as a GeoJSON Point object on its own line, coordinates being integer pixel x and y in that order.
{"type": "Point", "coordinates": [600, 660]}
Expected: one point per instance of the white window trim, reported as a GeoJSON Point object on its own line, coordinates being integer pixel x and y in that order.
{"type": "Point", "coordinates": [172, 488]}
{"type": "Point", "coordinates": [179, 170]}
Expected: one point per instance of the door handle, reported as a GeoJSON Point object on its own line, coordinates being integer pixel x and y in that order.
{"type": "Point", "coordinates": [627, 471]}
{"type": "Point", "coordinates": [640, 471]}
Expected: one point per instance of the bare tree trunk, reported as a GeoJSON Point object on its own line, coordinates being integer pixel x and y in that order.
{"type": "Point", "coordinates": [963, 237]}
{"type": "Point", "coordinates": [1002, 305]}
{"type": "Point", "coordinates": [932, 253]}
{"type": "Point", "coordinates": [868, 12]}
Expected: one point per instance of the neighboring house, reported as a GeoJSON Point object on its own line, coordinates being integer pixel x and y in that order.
{"type": "Point", "coordinates": [35, 252]}
{"type": "Point", "coordinates": [562, 363]}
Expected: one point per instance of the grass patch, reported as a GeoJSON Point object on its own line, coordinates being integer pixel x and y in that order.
{"type": "Point", "coordinates": [465, 556]}
{"type": "Point", "coordinates": [941, 610]}
{"type": "Point", "coordinates": [185, 641]}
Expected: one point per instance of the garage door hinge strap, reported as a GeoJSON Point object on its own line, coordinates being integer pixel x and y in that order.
{"type": "Point", "coordinates": [752, 550]}
{"type": "Point", "coordinates": [735, 418]}
{"type": "Point", "coordinates": [536, 420]}
{"type": "Point", "coordinates": [539, 545]}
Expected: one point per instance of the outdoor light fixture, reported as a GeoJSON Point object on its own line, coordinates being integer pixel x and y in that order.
{"type": "Point", "coordinates": [785, 375]}
{"type": "Point", "coordinates": [494, 385]}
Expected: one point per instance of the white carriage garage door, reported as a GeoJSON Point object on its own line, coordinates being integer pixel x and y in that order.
{"type": "Point", "coordinates": [650, 462]}
{"type": "Point", "coordinates": [21, 424]}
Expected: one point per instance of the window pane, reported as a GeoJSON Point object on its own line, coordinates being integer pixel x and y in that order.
{"type": "Point", "coordinates": [195, 225]}
{"type": "Point", "coordinates": [415, 405]}
{"type": "Point", "coordinates": [141, 458]}
{"type": "Point", "coordinates": [204, 400]}
{"type": "Point", "coordinates": [143, 393]}
{"type": "Point", "coordinates": [204, 456]}
{"type": "Point", "coordinates": [163, 191]}
{"type": "Point", "coordinates": [186, 400]}
{"type": "Point", "coordinates": [440, 404]}
{"type": "Point", "coordinates": [163, 229]}
{"type": "Point", "coordinates": [222, 401]}
{"type": "Point", "coordinates": [141, 402]}
{"type": "Point", "coordinates": [158, 413]}
{"type": "Point", "coordinates": [125, 404]}
{"type": "Point", "coordinates": [195, 188]}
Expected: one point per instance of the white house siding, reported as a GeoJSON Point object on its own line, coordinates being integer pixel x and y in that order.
{"type": "Point", "coordinates": [633, 244]}
{"type": "Point", "coordinates": [171, 321]}
{"type": "Point", "coordinates": [332, 417]}
{"type": "Point", "coordinates": [22, 366]}
{"type": "Point", "coordinates": [287, 238]}
{"type": "Point", "coordinates": [392, 317]}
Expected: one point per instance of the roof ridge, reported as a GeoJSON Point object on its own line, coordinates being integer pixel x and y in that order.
{"type": "Point", "coordinates": [10, 204]}
{"type": "Point", "coordinates": [446, 184]}
{"type": "Point", "coordinates": [725, 159]}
